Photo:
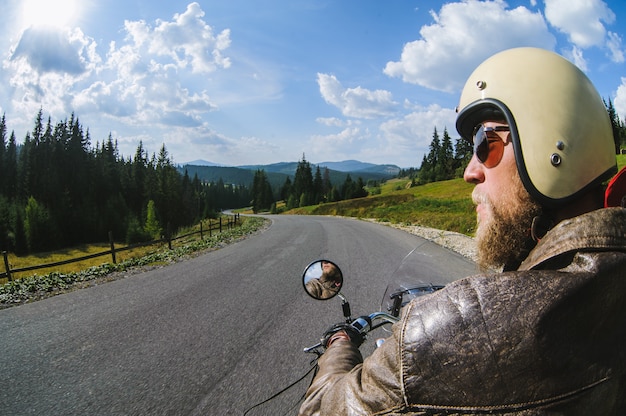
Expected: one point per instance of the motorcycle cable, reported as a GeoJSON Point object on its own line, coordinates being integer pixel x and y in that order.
{"type": "Point", "coordinates": [313, 370]}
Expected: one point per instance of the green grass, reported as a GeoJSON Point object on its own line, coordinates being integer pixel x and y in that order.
{"type": "Point", "coordinates": [62, 278]}
{"type": "Point", "coordinates": [444, 205]}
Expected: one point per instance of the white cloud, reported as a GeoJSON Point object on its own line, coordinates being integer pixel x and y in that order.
{"type": "Point", "coordinates": [330, 121]}
{"type": "Point", "coordinates": [580, 20]}
{"type": "Point", "coordinates": [63, 51]}
{"type": "Point", "coordinates": [575, 55]}
{"type": "Point", "coordinates": [187, 40]}
{"type": "Point", "coordinates": [620, 100]}
{"type": "Point", "coordinates": [356, 102]}
{"type": "Point", "coordinates": [336, 122]}
{"type": "Point", "coordinates": [463, 35]}
{"type": "Point", "coordinates": [614, 43]}
{"type": "Point", "coordinates": [343, 145]}
{"type": "Point", "coordinates": [415, 130]}
{"type": "Point", "coordinates": [583, 21]}
{"type": "Point", "coordinates": [156, 76]}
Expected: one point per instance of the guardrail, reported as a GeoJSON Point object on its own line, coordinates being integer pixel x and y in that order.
{"type": "Point", "coordinates": [218, 225]}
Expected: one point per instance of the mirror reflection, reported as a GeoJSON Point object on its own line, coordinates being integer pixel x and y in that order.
{"type": "Point", "coordinates": [322, 279]}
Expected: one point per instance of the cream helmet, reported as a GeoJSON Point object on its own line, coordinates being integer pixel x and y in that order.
{"type": "Point", "coordinates": [560, 128]}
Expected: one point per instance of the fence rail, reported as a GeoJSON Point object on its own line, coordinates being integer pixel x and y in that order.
{"type": "Point", "coordinates": [218, 225]}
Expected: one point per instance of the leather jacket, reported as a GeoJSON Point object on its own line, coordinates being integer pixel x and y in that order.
{"type": "Point", "coordinates": [545, 339]}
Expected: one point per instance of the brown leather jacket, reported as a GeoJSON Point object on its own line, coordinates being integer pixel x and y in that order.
{"type": "Point", "coordinates": [546, 339]}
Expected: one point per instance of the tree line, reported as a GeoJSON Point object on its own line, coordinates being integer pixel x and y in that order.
{"type": "Point", "coordinates": [305, 189]}
{"type": "Point", "coordinates": [57, 190]}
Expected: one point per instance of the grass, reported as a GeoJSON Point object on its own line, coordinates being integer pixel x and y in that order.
{"type": "Point", "coordinates": [60, 278]}
{"type": "Point", "coordinates": [444, 205]}
{"type": "Point", "coordinates": [18, 262]}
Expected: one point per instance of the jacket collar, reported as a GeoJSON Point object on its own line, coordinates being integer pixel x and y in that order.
{"type": "Point", "coordinates": [600, 230]}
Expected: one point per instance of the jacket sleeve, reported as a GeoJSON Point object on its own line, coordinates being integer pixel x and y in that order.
{"type": "Point", "coordinates": [346, 385]}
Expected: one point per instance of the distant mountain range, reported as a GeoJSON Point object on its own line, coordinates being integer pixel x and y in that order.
{"type": "Point", "coordinates": [277, 173]}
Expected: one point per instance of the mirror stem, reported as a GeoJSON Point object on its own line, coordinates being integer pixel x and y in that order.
{"type": "Point", "coordinates": [345, 305]}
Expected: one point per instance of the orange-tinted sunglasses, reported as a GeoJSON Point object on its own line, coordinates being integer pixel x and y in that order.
{"type": "Point", "coordinates": [489, 146]}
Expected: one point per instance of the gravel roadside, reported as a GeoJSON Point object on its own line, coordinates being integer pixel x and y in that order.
{"type": "Point", "coordinates": [457, 242]}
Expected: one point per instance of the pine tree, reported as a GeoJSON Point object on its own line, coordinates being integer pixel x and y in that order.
{"type": "Point", "coordinates": [261, 192]}
{"type": "Point", "coordinates": [3, 158]}
{"type": "Point", "coordinates": [445, 158]}
{"type": "Point", "coordinates": [153, 227]}
{"type": "Point", "coordinates": [619, 133]}
{"type": "Point", "coordinates": [303, 182]}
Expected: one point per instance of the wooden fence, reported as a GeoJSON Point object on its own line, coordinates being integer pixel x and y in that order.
{"type": "Point", "coordinates": [217, 225]}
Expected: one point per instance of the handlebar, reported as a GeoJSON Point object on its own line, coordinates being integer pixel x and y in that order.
{"type": "Point", "coordinates": [363, 324]}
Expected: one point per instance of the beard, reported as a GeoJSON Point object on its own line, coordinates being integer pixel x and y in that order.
{"type": "Point", "coordinates": [504, 239]}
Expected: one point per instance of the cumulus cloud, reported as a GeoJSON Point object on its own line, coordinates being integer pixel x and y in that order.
{"type": "Point", "coordinates": [580, 20]}
{"type": "Point", "coordinates": [355, 102]}
{"type": "Point", "coordinates": [336, 122]}
{"type": "Point", "coordinates": [620, 100]}
{"type": "Point", "coordinates": [55, 50]}
{"type": "Point", "coordinates": [614, 43]}
{"type": "Point", "coordinates": [153, 77]}
{"type": "Point", "coordinates": [575, 55]}
{"type": "Point", "coordinates": [345, 144]}
{"type": "Point", "coordinates": [583, 22]}
{"type": "Point", "coordinates": [415, 130]}
{"type": "Point", "coordinates": [187, 41]}
{"type": "Point", "coordinates": [463, 35]}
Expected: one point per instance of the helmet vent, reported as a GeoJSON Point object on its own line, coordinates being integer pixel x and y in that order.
{"type": "Point", "coordinates": [555, 159]}
{"type": "Point", "coordinates": [481, 85]}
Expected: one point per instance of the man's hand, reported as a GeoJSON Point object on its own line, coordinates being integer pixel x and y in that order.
{"type": "Point", "coordinates": [342, 331]}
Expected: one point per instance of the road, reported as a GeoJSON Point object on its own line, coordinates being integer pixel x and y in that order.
{"type": "Point", "coordinates": [211, 335]}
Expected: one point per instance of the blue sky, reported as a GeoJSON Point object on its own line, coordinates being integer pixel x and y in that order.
{"type": "Point", "coordinates": [263, 81]}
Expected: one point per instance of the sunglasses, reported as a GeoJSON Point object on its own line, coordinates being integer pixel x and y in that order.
{"type": "Point", "coordinates": [488, 145]}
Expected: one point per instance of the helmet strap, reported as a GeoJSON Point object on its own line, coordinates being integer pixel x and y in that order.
{"type": "Point", "coordinates": [542, 223]}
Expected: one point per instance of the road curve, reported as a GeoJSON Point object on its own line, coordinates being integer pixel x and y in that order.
{"type": "Point", "coordinates": [210, 335]}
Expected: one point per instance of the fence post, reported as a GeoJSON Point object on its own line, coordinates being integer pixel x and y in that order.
{"type": "Point", "coordinates": [201, 234]}
{"type": "Point", "coordinates": [210, 228]}
{"type": "Point", "coordinates": [112, 247]}
{"type": "Point", "coordinates": [6, 265]}
{"type": "Point", "coordinates": [220, 224]}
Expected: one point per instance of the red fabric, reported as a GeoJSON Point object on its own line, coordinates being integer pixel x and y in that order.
{"type": "Point", "coordinates": [615, 195]}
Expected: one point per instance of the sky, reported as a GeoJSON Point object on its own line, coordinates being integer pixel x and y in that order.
{"type": "Point", "coordinates": [253, 82]}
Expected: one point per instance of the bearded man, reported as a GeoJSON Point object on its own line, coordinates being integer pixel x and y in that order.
{"type": "Point", "coordinates": [541, 331]}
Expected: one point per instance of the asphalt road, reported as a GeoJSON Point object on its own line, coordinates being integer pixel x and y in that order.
{"type": "Point", "coordinates": [211, 335]}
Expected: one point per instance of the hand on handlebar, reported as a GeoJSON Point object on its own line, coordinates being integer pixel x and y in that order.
{"type": "Point", "coordinates": [342, 331]}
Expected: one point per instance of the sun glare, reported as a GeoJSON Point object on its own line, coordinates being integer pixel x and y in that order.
{"type": "Point", "coordinates": [50, 13]}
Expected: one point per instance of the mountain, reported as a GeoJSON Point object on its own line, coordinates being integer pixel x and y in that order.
{"type": "Point", "coordinates": [201, 162]}
{"type": "Point", "coordinates": [277, 173]}
{"type": "Point", "coordinates": [347, 166]}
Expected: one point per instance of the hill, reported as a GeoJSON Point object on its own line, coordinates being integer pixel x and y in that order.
{"type": "Point", "coordinates": [445, 205]}
{"type": "Point", "coordinates": [277, 173]}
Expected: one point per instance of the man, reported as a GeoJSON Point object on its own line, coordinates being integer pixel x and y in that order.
{"type": "Point", "coordinates": [546, 335]}
{"type": "Point", "coordinates": [328, 284]}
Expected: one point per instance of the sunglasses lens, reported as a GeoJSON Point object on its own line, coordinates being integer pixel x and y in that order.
{"type": "Point", "coordinates": [488, 151]}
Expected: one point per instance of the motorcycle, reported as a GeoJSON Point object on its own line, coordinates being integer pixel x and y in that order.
{"type": "Point", "coordinates": [323, 280]}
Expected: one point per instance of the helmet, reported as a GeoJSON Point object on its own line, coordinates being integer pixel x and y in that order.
{"type": "Point", "coordinates": [560, 128]}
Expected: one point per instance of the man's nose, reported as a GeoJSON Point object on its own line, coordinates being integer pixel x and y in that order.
{"type": "Point", "coordinates": [474, 172]}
